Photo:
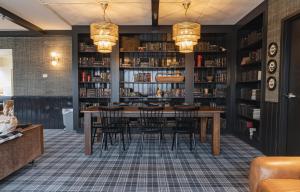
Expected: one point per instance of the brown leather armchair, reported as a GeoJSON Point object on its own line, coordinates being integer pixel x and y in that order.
{"type": "Point", "coordinates": [276, 174]}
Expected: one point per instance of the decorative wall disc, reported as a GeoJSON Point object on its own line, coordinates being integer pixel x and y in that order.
{"type": "Point", "coordinates": [272, 66]}
{"type": "Point", "coordinates": [272, 50]}
{"type": "Point", "coordinates": [271, 83]}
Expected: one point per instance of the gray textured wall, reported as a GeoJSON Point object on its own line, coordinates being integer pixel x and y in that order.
{"type": "Point", "coordinates": [277, 10]}
{"type": "Point", "coordinates": [31, 59]}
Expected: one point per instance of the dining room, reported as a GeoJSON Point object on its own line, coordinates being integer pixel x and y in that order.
{"type": "Point", "coordinates": [149, 95]}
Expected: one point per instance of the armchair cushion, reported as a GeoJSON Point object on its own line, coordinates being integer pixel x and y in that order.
{"type": "Point", "coordinates": [279, 185]}
{"type": "Point", "coordinates": [263, 168]}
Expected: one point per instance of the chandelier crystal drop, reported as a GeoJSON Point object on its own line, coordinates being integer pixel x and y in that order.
{"type": "Point", "coordinates": [186, 34]}
{"type": "Point", "coordinates": [104, 34]}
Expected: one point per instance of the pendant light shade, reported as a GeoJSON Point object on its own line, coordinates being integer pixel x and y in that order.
{"type": "Point", "coordinates": [186, 34]}
{"type": "Point", "coordinates": [104, 34]}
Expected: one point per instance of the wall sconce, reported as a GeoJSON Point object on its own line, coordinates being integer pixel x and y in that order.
{"type": "Point", "coordinates": [54, 58]}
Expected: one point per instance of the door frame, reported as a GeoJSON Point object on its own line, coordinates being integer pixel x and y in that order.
{"type": "Point", "coordinates": [284, 80]}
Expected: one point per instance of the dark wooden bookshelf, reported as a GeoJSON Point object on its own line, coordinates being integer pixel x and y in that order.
{"type": "Point", "coordinates": [94, 87]}
{"type": "Point", "coordinates": [210, 59]}
{"type": "Point", "coordinates": [159, 55]}
{"type": "Point", "coordinates": [249, 84]}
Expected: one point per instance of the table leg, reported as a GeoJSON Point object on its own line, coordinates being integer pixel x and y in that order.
{"type": "Point", "coordinates": [216, 134]}
{"type": "Point", "coordinates": [87, 134]}
{"type": "Point", "coordinates": [203, 128]}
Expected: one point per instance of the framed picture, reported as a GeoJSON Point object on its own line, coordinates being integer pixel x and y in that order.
{"type": "Point", "coordinates": [272, 50]}
{"type": "Point", "coordinates": [272, 66]}
{"type": "Point", "coordinates": [271, 83]}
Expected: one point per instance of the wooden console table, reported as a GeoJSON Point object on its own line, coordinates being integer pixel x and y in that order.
{"type": "Point", "coordinates": [133, 112]}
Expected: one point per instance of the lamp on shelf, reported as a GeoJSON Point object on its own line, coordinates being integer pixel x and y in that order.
{"type": "Point", "coordinates": [54, 58]}
{"type": "Point", "coordinates": [104, 34]}
{"type": "Point", "coordinates": [186, 34]}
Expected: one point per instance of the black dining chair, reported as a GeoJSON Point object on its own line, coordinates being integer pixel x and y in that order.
{"type": "Point", "coordinates": [186, 123]}
{"type": "Point", "coordinates": [113, 123]}
{"type": "Point", "coordinates": [151, 122]}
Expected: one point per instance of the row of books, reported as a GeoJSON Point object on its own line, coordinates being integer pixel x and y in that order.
{"type": "Point", "coordinates": [83, 47]}
{"type": "Point", "coordinates": [151, 61]}
{"type": "Point", "coordinates": [207, 47]}
{"type": "Point", "coordinates": [93, 61]}
{"type": "Point", "coordinates": [221, 76]}
{"type": "Point", "coordinates": [248, 127]}
{"type": "Point", "coordinates": [129, 92]}
{"type": "Point", "coordinates": [142, 77]}
{"type": "Point", "coordinates": [249, 111]}
{"type": "Point", "coordinates": [252, 75]}
{"type": "Point", "coordinates": [94, 75]}
{"type": "Point", "coordinates": [209, 92]}
{"type": "Point", "coordinates": [251, 38]}
{"type": "Point", "coordinates": [159, 46]}
{"type": "Point", "coordinates": [250, 94]}
{"type": "Point", "coordinates": [94, 93]}
{"type": "Point", "coordinates": [156, 37]}
{"type": "Point", "coordinates": [208, 62]}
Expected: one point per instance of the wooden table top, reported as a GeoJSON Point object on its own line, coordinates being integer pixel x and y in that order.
{"type": "Point", "coordinates": [134, 109]}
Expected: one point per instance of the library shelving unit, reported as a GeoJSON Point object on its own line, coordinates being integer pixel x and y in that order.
{"type": "Point", "coordinates": [210, 72]}
{"type": "Point", "coordinates": [249, 76]}
{"type": "Point", "coordinates": [151, 69]}
{"type": "Point", "coordinates": [94, 78]}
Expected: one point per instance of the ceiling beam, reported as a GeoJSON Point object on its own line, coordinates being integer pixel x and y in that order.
{"type": "Point", "coordinates": [155, 11]}
{"type": "Point", "coordinates": [20, 21]}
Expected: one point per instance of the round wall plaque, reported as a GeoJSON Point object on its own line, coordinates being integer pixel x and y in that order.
{"type": "Point", "coordinates": [271, 83]}
{"type": "Point", "coordinates": [273, 48]}
{"type": "Point", "coordinates": [272, 66]}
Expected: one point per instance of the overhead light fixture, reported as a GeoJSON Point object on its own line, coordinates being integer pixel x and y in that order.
{"type": "Point", "coordinates": [186, 34]}
{"type": "Point", "coordinates": [104, 34]}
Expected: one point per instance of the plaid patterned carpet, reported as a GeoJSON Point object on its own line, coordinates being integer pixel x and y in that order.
{"type": "Point", "coordinates": [64, 167]}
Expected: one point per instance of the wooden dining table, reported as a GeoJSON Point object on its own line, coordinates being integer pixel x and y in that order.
{"type": "Point", "coordinates": [133, 112]}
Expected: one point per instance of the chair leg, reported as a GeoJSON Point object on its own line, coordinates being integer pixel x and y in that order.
{"type": "Point", "coordinates": [160, 145]}
{"type": "Point", "coordinates": [176, 144]}
{"type": "Point", "coordinates": [119, 141]}
{"type": "Point", "coordinates": [102, 143]}
{"type": "Point", "coordinates": [173, 141]}
{"type": "Point", "coordinates": [129, 131]}
{"type": "Point", "coordinates": [94, 136]}
{"type": "Point", "coordinates": [106, 140]}
{"type": "Point", "coordinates": [110, 138]}
{"type": "Point", "coordinates": [122, 134]}
{"type": "Point", "coordinates": [191, 141]}
{"type": "Point", "coordinates": [194, 142]}
{"type": "Point", "coordinates": [142, 144]}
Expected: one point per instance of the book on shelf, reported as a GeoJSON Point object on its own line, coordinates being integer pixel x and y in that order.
{"type": "Point", "coordinates": [249, 111]}
{"type": "Point", "coordinates": [250, 94]}
{"type": "Point", "coordinates": [94, 61]}
{"type": "Point", "coordinates": [251, 75]}
{"type": "Point", "coordinates": [208, 47]}
{"type": "Point", "coordinates": [202, 61]}
{"type": "Point", "coordinates": [94, 93]}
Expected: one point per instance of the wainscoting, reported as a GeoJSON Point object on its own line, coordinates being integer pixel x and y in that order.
{"type": "Point", "coordinates": [41, 109]}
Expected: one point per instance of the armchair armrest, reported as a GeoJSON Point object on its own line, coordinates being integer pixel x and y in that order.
{"type": "Point", "coordinates": [273, 168]}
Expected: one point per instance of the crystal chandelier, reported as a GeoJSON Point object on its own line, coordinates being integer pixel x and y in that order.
{"type": "Point", "coordinates": [104, 34]}
{"type": "Point", "coordinates": [186, 34]}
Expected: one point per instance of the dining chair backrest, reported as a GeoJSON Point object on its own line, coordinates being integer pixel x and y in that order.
{"type": "Point", "coordinates": [112, 117]}
{"type": "Point", "coordinates": [151, 118]}
{"type": "Point", "coordinates": [186, 118]}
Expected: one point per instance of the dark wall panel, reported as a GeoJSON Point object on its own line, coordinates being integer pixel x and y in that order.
{"type": "Point", "coordinates": [270, 128]}
{"type": "Point", "coordinates": [41, 110]}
